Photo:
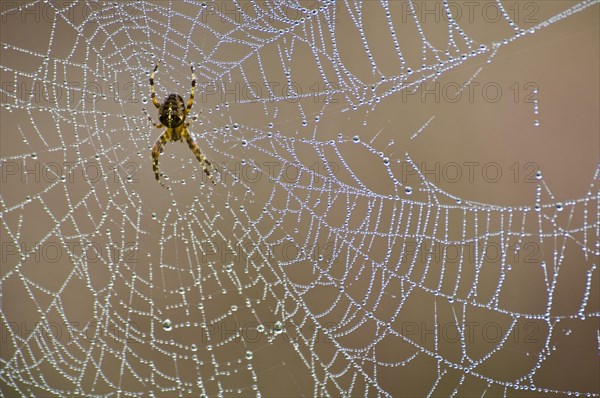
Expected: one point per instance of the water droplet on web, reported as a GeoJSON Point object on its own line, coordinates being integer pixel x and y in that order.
{"type": "Point", "coordinates": [260, 328]}
{"type": "Point", "coordinates": [536, 123]}
{"type": "Point", "coordinates": [278, 328]}
{"type": "Point", "coordinates": [194, 348]}
{"type": "Point", "coordinates": [408, 190]}
{"type": "Point", "coordinates": [249, 355]}
{"type": "Point", "coordinates": [356, 139]}
{"type": "Point", "coordinates": [386, 161]}
{"type": "Point", "coordinates": [559, 207]}
{"type": "Point", "coordinates": [538, 175]}
{"type": "Point", "coordinates": [167, 325]}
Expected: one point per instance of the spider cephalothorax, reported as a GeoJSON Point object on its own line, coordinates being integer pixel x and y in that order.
{"type": "Point", "coordinates": [172, 114]}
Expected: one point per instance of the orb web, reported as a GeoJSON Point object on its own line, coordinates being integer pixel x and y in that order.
{"type": "Point", "coordinates": [326, 260]}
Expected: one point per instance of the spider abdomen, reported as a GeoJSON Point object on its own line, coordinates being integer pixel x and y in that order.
{"type": "Point", "coordinates": [172, 112]}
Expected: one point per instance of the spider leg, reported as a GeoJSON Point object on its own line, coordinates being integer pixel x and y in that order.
{"type": "Point", "coordinates": [192, 91]}
{"type": "Point", "coordinates": [205, 163]}
{"type": "Point", "coordinates": [154, 100]}
{"type": "Point", "coordinates": [157, 125]}
{"type": "Point", "coordinates": [157, 150]}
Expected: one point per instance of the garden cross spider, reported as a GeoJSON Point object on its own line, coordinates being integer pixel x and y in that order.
{"type": "Point", "coordinates": [172, 113]}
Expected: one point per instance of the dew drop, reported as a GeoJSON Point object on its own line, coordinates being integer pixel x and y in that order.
{"type": "Point", "coordinates": [278, 328]}
{"type": "Point", "coordinates": [167, 325]}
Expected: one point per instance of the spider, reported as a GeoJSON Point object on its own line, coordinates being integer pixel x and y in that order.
{"type": "Point", "coordinates": [172, 113]}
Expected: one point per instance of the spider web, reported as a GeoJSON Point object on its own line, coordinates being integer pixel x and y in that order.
{"type": "Point", "coordinates": [326, 260]}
